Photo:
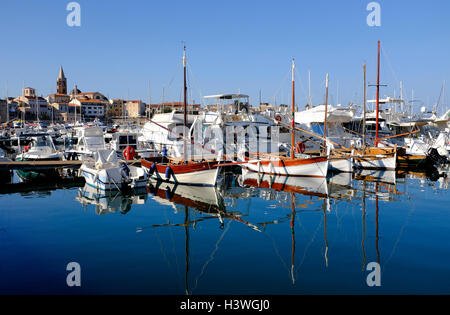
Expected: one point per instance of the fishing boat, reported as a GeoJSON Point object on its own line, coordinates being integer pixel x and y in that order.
{"type": "Point", "coordinates": [184, 171]}
{"type": "Point", "coordinates": [105, 172]}
{"type": "Point", "coordinates": [376, 157]}
{"type": "Point", "coordinates": [289, 166]}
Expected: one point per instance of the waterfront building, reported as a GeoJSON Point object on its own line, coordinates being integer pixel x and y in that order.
{"type": "Point", "coordinates": [89, 108]}
{"type": "Point", "coordinates": [170, 106]}
{"type": "Point", "coordinates": [32, 105]}
{"type": "Point", "coordinates": [114, 108]}
{"type": "Point", "coordinates": [134, 109]}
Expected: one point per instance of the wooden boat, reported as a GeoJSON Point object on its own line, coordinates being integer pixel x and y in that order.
{"type": "Point", "coordinates": [375, 158]}
{"type": "Point", "coordinates": [183, 172]}
{"type": "Point", "coordinates": [290, 166]}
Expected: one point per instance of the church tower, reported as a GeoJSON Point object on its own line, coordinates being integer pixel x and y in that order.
{"type": "Point", "coordinates": [61, 82]}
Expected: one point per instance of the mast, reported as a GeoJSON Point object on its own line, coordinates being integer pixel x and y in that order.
{"type": "Point", "coordinates": [325, 120]}
{"type": "Point", "coordinates": [309, 87]}
{"type": "Point", "coordinates": [378, 96]}
{"type": "Point", "coordinates": [7, 103]}
{"type": "Point", "coordinates": [293, 110]}
{"type": "Point", "coordinates": [364, 108]}
{"type": "Point", "coordinates": [185, 103]}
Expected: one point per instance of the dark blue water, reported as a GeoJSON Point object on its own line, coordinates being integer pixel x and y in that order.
{"type": "Point", "coordinates": [238, 239]}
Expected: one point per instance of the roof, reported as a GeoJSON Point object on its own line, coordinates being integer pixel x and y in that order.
{"type": "Point", "coordinates": [91, 101]}
{"type": "Point", "coordinates": [226, 96]}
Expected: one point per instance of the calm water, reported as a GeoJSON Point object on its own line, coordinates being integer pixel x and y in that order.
{"type": "Point", "coordinates": [300, 236]}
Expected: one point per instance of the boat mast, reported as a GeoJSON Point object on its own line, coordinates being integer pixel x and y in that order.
{"type": "Point", "coordinates": [293, 110]}
{"type": "Point", "coordinates": [185, 103]}
{"type": "Point", "coordinates": [364, 108]}
{"type": "Point", "coordinates": [378, 96]}
{"type": "Point", "coordinates": [326, 114]}
{"type": "Point", "coordinates": [309, 87]}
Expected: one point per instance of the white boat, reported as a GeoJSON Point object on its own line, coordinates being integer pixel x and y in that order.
{"type": "Point", "coordinates": [90, 140]}
{"type": "Point", "coordinates": [123, 139]}
{"type": "Point", "coordinates": [41, 148]}
{"type": "Point", "coordinates": [375, 158]}
{"type": "Point", "coordinates": [106, 172]}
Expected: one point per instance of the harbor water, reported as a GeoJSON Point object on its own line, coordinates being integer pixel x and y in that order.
{"type": "Point", "coordinates": [250, 235]}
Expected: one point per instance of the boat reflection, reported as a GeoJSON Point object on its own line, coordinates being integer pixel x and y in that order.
{"type": "Point", "coordinates": [111, 201]}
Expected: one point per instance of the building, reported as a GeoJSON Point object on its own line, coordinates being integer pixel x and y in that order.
{"type": "Point", "coordinates": [170, 106]}
{"type": "Point", "coordinates": [31, 105]}
{"type": "Point", "coordinates": [114, 108]}
{"type": "Point", "coordinates": [134, 109]}
{"type": "Point", "coordinates": [59, 101]}
{"type": "Point", "coordinates": [89, 108]}
{"type": "Point", "coordinates": [88, 95]}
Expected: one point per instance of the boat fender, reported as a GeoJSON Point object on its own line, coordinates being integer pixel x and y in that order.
{"type": "Point", "coordinates": [152, 169]}
{"type": "Point", "coordinates": [300, 148]}
{"type": "Point", "coordinates": [169, 172]}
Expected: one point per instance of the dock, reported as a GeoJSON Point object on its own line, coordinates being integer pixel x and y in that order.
{"type": "Point", "coordinates": [45, 165]}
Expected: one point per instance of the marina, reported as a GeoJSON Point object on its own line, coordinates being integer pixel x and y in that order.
{"type": "Point", "coordinates": [224, 154]}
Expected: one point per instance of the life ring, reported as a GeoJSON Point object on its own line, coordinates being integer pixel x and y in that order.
{"type": "Point", "coordinates": [26, 148]}
{"type": "Point", "coordinates": [278, 118]}
{"type": "Point", "coordinates": [129, 153]}
{"type": "Point", "coordinates": [300, 148]}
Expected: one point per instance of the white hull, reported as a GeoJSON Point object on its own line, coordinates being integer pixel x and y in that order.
{"type": "Point", "coordinates": [318, 169]}
{"type": "Point", "coordinates": [198, 178]}
{"type": "Point", "coordinates": [111, 178]}
{"type": "Point", "coordinates": [380, 162]}
{"type": "Point", "coordinates": [340, 165]}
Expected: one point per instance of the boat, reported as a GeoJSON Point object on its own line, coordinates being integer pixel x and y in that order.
{"type": "Point", "coordinates": [41, 148]}
{"type": "Point", "coordinates": [184, 170]}
{"type": "Point", "coordinates": [90, 139]}
{"type": "Point", "coordinates": [105, 172]}
{"type": "Point", "coordinates": [294, 165]}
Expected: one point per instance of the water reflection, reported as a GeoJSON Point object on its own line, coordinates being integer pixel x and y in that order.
{"type": "Point", "coordinates": [110, 201]}
{"type": "Point", "coordinates": [284, 234]}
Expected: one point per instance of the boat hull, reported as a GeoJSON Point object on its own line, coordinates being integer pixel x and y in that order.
{"type": "Point", "coordinates": [310, 167]}
{"type": "Point", "coordinates": [199, 174]}
{"type": "Point", "coordinates": [375, 159]}
{"type": "Point", "coordinates": [110, 179]}
{"type": "Point", "coordinates": [338, 164]}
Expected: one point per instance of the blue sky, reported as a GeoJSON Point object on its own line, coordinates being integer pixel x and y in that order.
{"type": "Point", "coordinates": [233, 46]}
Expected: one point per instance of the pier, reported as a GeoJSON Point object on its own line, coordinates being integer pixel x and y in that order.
{"type": "Point", "coordinates": [43, 165]}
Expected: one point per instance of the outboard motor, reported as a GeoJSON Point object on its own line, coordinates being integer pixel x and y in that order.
{"type": "Point", "coordinates": [436, 157]}
{"type": "Point", "coordinates": [125, 172]}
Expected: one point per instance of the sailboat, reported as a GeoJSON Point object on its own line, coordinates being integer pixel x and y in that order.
{"type": "Point", "coordinates": [375, 157]}
{"type": "Point", "coordinates": [184, 171]}
{"type": "Point", "coordinates": [290, 166]}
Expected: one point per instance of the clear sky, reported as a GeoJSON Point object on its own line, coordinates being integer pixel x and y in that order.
{"type": "Point", "coordinates": [232, 46]}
